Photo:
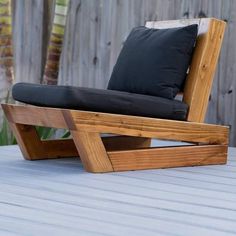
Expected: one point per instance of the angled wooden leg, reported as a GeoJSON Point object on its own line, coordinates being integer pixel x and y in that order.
{"type": "Point", "coordinates": [35, 149]}
{"type": "Point", "coordinates": [92, 151]}
{"type": "Point", "coordinates": [28, 140]}
{"type": "Point", "coordinates": [22, 121]}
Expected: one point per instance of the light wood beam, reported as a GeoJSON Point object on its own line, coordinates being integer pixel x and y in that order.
{"type": "Point", "coordinates": [166, 157]}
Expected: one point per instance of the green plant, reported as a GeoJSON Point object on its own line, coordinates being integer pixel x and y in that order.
{"type": "Point", "coordinates": [45, 132]}
{"type": "Point", "coordinates": [49, 133]}
{"type": "Point", "coordinates": [6, 136]}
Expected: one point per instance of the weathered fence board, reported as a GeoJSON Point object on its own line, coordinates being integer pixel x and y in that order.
{"type": "Point", "coordinates": [95, 32]}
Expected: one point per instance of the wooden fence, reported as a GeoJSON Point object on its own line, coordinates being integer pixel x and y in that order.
{"type": "Point", "coordinates": [94, 35]}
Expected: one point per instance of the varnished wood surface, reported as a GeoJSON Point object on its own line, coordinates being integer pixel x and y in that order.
{"type": "Point", "coordinates": [66, 147]}
{"type": "Point", "coordinates": [168, 157]}
{"type": "Point", "coordinates": [92, 151]}
{"type": "Point", "coordinates": [202, 70]}
{"type": "Point", "coordinates": [28, 140]}
{"type": "Point", "coordinates": [150, 127]}
{"type": "Point", "coordinates": [118, 124]}
{"type": "Point", "coordinates": [30, 115]}
{"type": "Point", "coordinates": [86, 127]}
{"type": "Point", "coordinates": [57, 197]}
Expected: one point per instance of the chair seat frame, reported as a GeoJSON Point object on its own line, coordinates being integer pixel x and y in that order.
{"type": "Point", "coordinates": [130, 148]}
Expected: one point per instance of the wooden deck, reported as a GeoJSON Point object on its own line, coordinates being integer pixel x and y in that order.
{"type": "Point", "coordinates": [57, 197]}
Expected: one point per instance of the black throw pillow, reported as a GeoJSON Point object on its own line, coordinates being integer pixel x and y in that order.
{"type": "Point", "coordinates": [154, 61]}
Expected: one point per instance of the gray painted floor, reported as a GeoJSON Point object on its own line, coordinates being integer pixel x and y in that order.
{"type": "Point", "coordinates": [57, 197]}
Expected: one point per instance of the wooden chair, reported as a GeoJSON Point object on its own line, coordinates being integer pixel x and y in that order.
{"type": "Point", "coordinates": [130, 150]}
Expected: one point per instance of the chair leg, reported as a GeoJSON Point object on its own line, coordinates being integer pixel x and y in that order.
{"type": "Point", "coordinates": [33, 148]}
{"type": "Point", "coordinates": [28, 140]}
{"type": "Point", "coordinates": [92, 151]}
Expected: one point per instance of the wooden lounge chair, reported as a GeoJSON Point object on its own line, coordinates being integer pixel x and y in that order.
{"type": "Point", "coordinates": [130, 149]}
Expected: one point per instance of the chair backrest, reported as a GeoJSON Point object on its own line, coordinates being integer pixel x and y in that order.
{"type": "Point", "coordinates": [198, 84]}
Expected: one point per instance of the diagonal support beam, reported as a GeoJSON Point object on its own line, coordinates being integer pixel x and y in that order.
{"type": "Point", "coordinates": [92, 152]}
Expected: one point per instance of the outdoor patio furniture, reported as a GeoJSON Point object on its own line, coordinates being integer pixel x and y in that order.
{"type": "Point", "coordinates": [135, 117]}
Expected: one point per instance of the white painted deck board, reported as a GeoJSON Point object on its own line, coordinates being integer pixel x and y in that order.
{"type": "Point", "coordinates": [57, 197]}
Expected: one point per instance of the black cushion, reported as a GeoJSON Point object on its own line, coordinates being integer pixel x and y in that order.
{"type": "Point", "coordinates": [99, 100]}
{"type": "Point", "coordinates": [154, 61]}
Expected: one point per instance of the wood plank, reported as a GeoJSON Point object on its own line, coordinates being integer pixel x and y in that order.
{"type": "Point", "coordinates": [32, 115]}
{"type": "Point", "coordinates": [164, 24]}
{"type": "Point", "coordinates": [92, 152]}
{"type": "Point", "coordinates": [150, 127]}
{"type": "Point", "coordinates": [82, 196]}
{"type": "Point", "coordinates": [111, 143]}
{"type": "Point", "coordinates": [35, 149]}
{"type": "Point", "coordinates": [112, 214]}
{"type": "Point", "coordinates": [168, 157]}
{"type": "Point", "coordinates": [28, 140]}
{"type": "Point", "coordinates": [225, 98]}
{"type": "Point", "coordinates": [201, 74]}
{"type": "Point", "coordinates": [58, 148]}
{"type": "Point", "coordinates": [30, 40]}
{"type": "Point", "coordinates": [118, 124]}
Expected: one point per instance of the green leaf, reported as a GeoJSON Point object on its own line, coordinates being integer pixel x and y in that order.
{"type": "Point", "coordinates": [66, 134]}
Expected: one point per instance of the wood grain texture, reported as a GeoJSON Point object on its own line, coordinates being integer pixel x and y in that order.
{"type": "Point", "coordinates": [57, 148]}
{"type": "Point", "coordinates": [113, 143]}
{"type": "Point", "coordinates": [86, 126]}
{"type": "Point", "coordinates": [118, 124]}
{"type": "Point", "coordinates": [28, 140]}
{"type": "Point", "coordinates": [125, 142]}
{"type": "Point", "coordinates": [35, 149]}
{"type": "Point", "coordinates": [150, 127]}
{"type": "Point", "coordinates": [32, 115]}
{"type": "Point", "coordinates": [29, 37]}
{"type": "Point", "coordinates": [66, 147]}
{"type": "Point", "coordinates": [202, 70]}
{"type": "Point", "coordinates": [167, 157]}
{"type": "Point", "coordinates": [92, 152]}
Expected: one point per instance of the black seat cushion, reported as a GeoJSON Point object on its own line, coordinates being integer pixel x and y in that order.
{"type": "Point", "coordinates": [99, 100]}
{"type": "Point", "coordinates": [154, 61]}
